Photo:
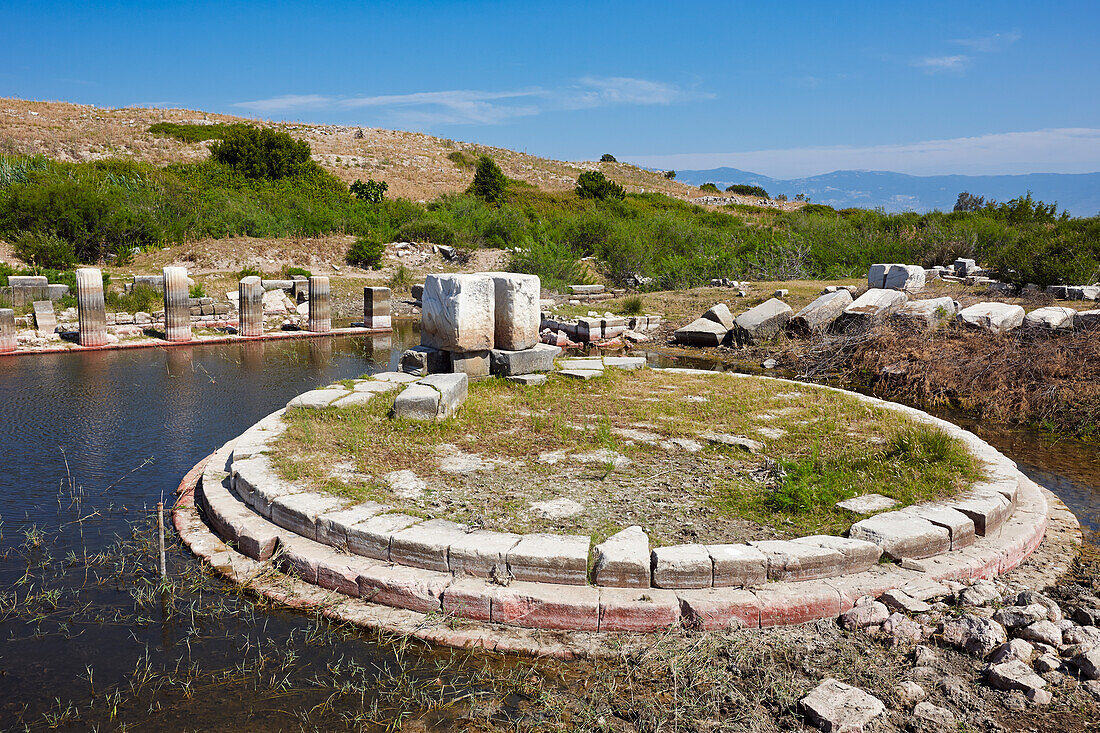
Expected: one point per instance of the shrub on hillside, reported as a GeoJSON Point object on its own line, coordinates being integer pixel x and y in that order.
{"type": "Point", "coordinates": [595, 185]}
{"type": "Point", "coordinates": [44, 249]}
{"type": "Point", "coordinates": [554, 262]}
{"type": "Point", "coordinates": [289, 272]}
{"type": "Point", "coordinates": [373, 192]}
{"type": "Point", "coordinates": [608, 158]}
{"type": "Point", "coordinates": [709, 188]}
{"type": "Point", "coordinates": [427, 230]}
{"type": "Point", "coordinates": [818, 209]}
{"type": "Point", "coordinates": [190, 132]}
{"type": "Point", "coordinates": [489, 182]}
{"type": "Point", "coordinates": [261, 152]}
{"type": "Point", "coordinates": [367, 253]}
{"type": "Point", "coordinates": [670, 175]}
{"type": "Point", "coordinates": [745, 189]}
{"type": "Point", "coordinates": [248, 271]}
{"type": "Point", "coordinates": [462, 159]}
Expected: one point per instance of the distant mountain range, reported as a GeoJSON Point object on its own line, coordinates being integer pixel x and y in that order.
{"type": "Point", "coordinates": [1077, 193]}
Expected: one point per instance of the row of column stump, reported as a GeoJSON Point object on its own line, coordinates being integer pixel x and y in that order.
{"type": "Point", "coordinates": [92, 313]}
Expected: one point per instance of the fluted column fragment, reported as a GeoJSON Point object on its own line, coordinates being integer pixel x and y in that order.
{"type": "Point", "coordinates": [7, 330]}
{"type": "Point", "coordinates": [250, 305]}
{"type": "Point", "coordinates": [91, 311]}
{"type": "Point", "coordinates": [320, 313]}
{"type": "Point", "coordinates": [177, 306]}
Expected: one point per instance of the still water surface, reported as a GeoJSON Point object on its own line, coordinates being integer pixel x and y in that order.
{"type": "Point", "coordinates": [90, 442]}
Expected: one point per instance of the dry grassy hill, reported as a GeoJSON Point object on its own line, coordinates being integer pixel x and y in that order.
{"type": "Point", "coordinates": [415, 165]}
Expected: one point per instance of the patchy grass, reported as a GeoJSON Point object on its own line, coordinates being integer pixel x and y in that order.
{"type": "Point", "coordinates": [628, 448]}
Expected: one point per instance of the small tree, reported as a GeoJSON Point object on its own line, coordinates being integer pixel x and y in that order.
{"type": "Point", "coordinates": [372, 191]}
{"type": "Point", "coordinates": [44, 250]}
{"type": "Point", "coordinates": [709, 188]}
{"type": "Point", "coordinates": [595, 185]}
{"type": "Point", "coordinates": [260, 152]}
{"type": "Point", "coordinates": [670, 175]}
{"type": "Point", "coordinates": [608, 158]}
{"type": "Point", "coordinates": [489, 182]}
{"type": "Point", "coordinates": [969, 202]}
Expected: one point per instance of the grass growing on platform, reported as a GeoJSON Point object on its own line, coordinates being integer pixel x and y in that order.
{"type": "Point", "coordinates": [629, 448]}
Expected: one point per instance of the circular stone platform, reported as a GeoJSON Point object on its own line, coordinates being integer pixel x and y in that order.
{"type": "Point", "coordinates": [494, 580]}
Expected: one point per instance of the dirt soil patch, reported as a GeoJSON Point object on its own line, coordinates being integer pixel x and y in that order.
{"type": "Point", "coordinates": [689, 458]}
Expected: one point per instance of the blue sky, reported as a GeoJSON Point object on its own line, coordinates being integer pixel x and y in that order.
{"type": "Point", "coordinates": [805, 88]}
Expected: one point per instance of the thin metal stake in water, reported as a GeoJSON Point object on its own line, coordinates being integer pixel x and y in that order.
{"type": "Point", "coordinates": [160, 533]}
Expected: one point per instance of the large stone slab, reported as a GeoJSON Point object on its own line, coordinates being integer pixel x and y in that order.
{"type": "Point", "coordinates": [539, 358]}
{"type": "Point", "coordinates": [835, 707]}
{"type": "Point", "coordinates": [452, 389]}
{"type": "Point", "coordinates": [762, 322]}
{"type": "Point", "coordinates": [821, 313]}
{"type": "Point", "coordinates": [482, 554]}
{"type": "Point", "coordinates": [546, 606]}
{"type": "Point", "coordinates": [905, 277]}
{"type": "Point", "coordinates": [623, 560]}
{"type": "Point", "coordinates": [701, 332]}
{"type": "Point", "coordinates": [45, 320]}
{"type": "Point", "coordinates": [473, 364]}
{"type": "Point", "coordinates": [995, 318]}
{"type": "Point", "coordinates": [91, 310]}
{"type": "Point", "coordinates": [177, 306]}
{"type": "Point", "coordinates": [458, 313]}
{"type": "Point", "coordinates": [874, 306]}
{"type": "Point", "coordinates": [959, 525]}
{"type": "Point", "coordinates": [926, 313]}
{"type": "Point", "coordinates": [516, 310]}
{"type": "Point", "coordinates": [371, 537]}
{"type": "Point", "coordinates": [1087, 319]}
{"type": "Point", "coordinates": [682, 566]}
{"type": "Point", "coordinates": [8, 340]}
{"type": "Point", "coordinates": [720, 313]}
{"type": "Point", "coordinates": [859, 555]}
{"type": "Point", "coordinates": [789, 561]}
{"type": "Point", "coordinates": [902, 536]}
{"type": "Point", "coordinates": [876, 275]}
{"type": "Point", "coordinates": [738, 565]}
{"type": "Point", "coordinates": [550, 558]}
{"type": "Point", "coordinates": [629, 609]}
{"type": "Point", "coordinates": [425, 545]}
{"type": "Point", "coordinates": [1052, 318]}
{"type": "Point", "coordinates": [424, 360]}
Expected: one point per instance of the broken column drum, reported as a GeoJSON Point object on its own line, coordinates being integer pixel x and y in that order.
{"type": "Point", "coordinates": [177, 306]}
{"type": "Point", "coordinates": [320, 314]}
{"type": "Point", "coordinates": [250, 306]}
{"type": "Point", "coordinates": [91, 310]}
{"type": "Point", "coordinates": [7, 330]}
{"type": "Point", "coordinates": [376, 308]}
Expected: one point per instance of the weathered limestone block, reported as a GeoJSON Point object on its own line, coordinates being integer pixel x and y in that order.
{"type": "Point", "coordinates": [376, 308]}
{"type": "Point", "coordinates": [516, 310]}
{"type": "Point", "coordinates": [404, 587]}
{"type": "Point", "coordinates": [177, 310]}
{"type": "Point", "coordinates": [613, 327]}
{"type": "Point", "coordinates": [8, 340]}
{"type": "Point", "coordinates": [546, 606]}
{"type": "Point", "coordinates": [550, 558]}
{"type": "Point", "coordinates": [316, 399]}
{"type": "Point", "coordinates": [682, 566]}
{"type": "Point", "coordinates": [964, 267]}
{"type": "Point", "coordinates": [459, 313]}
{"type": "Point", "coordinates": [425, 545]}
{"type": "Point", "coordinates": [28, 288]}
{"type": "Point", "coordinates": [789, 561]}
{"type": "Point", "coordinates": [738, 565]}
{"type": "Point", "coordinates": [926, 313]}
{"type": "Point", "coordinates": [762, 322]}
{"type": "Point", "coordinates": [299, 512]}
{"type": "Point", "coordinates": [91, 310]}
{"type": "Point", "coordinates": [960, 526]}
{"type": "Point", "coordinates": [993, 317]}
{"type": "Point", "coordinates": [835, 707]}
{"type": "Point", "coordinates": [1052, 318]}
{"type": "Point", "coordinates": [482, 554]}
{"type": "Point", "coordinates": [987, 509]}
{"type": "Point", "coordinates": [371, 537]}
{"type": "Point", "coordinates": [320, 311]}
{"type": "Point", "coordinates": [45, 320]}
{"type": "Point", "coordinates": [474, 364]}
{"type": "Point", "coordinates": [821, 313]}
{"type": "Point", "coordinates": [628, 609]}
{"type": "Point", "coordinates": [702, 332]}
{"type": "Point", "coordinates": [435, 397]}
{"type": "Point", "coordinates": [623, 560]}
{"type": "Point", "coordinates": [250, 306]}
{"type": "Point", "coordinates": [1087, 319]}
{"type": "Point", "coordinates": [902, 535]}
{"type": "Point", "coordinates": [423, 360]}
{"type": "Point", "coordinates": [874, 306]}
{"type": "Point", "coordinates": [589, 329]}
{"type": "Point", "coordinates": [905, 277]}
{"type": "Point", "coordinates": [876, 275]}
{"type": "Point", "coordinates": [332, 526]}
{"type": "Point", "coordinates": [629, 363]}
{"type": "Point", "coordinates": [720, 313]}
{"type": "Point", "coordinates": [539, 358]}
{"type": "Point", "coordinates": [586, 289]}
{"type": "Point", "coordinates": [859, 555]}
{"type": "Point", "coordinates": [709, 609]}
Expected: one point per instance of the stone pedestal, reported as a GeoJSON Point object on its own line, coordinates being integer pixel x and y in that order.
{"type": "Point", "coordinates": [320, 313]}
{"type": "Point", "coordinates": [250, 306]}
{"type": "Point", "coordinates": [7, 330]}
{"type": "Point", "coordinates": [458, 313]}
{"type": "Point", "coordinates": [516, 310]}
{"type": "Point", "coordinates": [177, 306]}
{"type": "Point", "coordinates": [91, 310]}
{"type": "Point", "coordinates": [376, 308]}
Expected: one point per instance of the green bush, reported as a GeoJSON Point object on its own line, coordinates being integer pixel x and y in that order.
{"type": "Point", "coordinates": [745, 189]}
{"type": "Point", "coordinates": [248, 272]}
{"type": "Point", "coordinates": [44, 249]}
{"type": "Point", "coordinates": [401, 280]}
{"type": "Point", "coordinates": [462, 159]}
{"type": "Point", "coordinates": [595, 185]}
{"type": "Point", "coordinates": [261, 152]}
{"type": "Point", "coordinates": [554, 262]}
{"type": "Point", "coordinates": [489, 182]}
{"type": "Point", "coordinates": [427, 230]}
{"type": "Point", "coordinates": [709, 188]}
{"type": "Point", "coordinates": [189, 132]}
{"type": "Point", "coordinates": [140, 298]}
{"type": "Point", "coordinates": [608, 158]}
{"type": "Point", "coordinates": [366, 253]}
{"type": "Point", "coordinates": [632, 306]}
{"type": "Point", "coordinates": [818, 209]}
{"type": "Point", "coordinates": [373, 192]}
{"type": "Point", "coordinates": [289, 272]}
{"type": "Point", "coordinates": [198, 290]}
{"type": "Point", "coordinates": [670, 175]}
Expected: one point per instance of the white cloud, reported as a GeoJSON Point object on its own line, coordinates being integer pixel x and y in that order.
{"type": "Point", "coordinates": [1064, 150]}
{"type": "Point", "coordinates": [420, 110]}
{"type": "Point", "coordinates": [936, 64]}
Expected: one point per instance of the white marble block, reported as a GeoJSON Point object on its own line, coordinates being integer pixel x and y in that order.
{"type": "Point", "coordinates": [458, 313]}
{"type": "Point", "coordinates": [518, 315]}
